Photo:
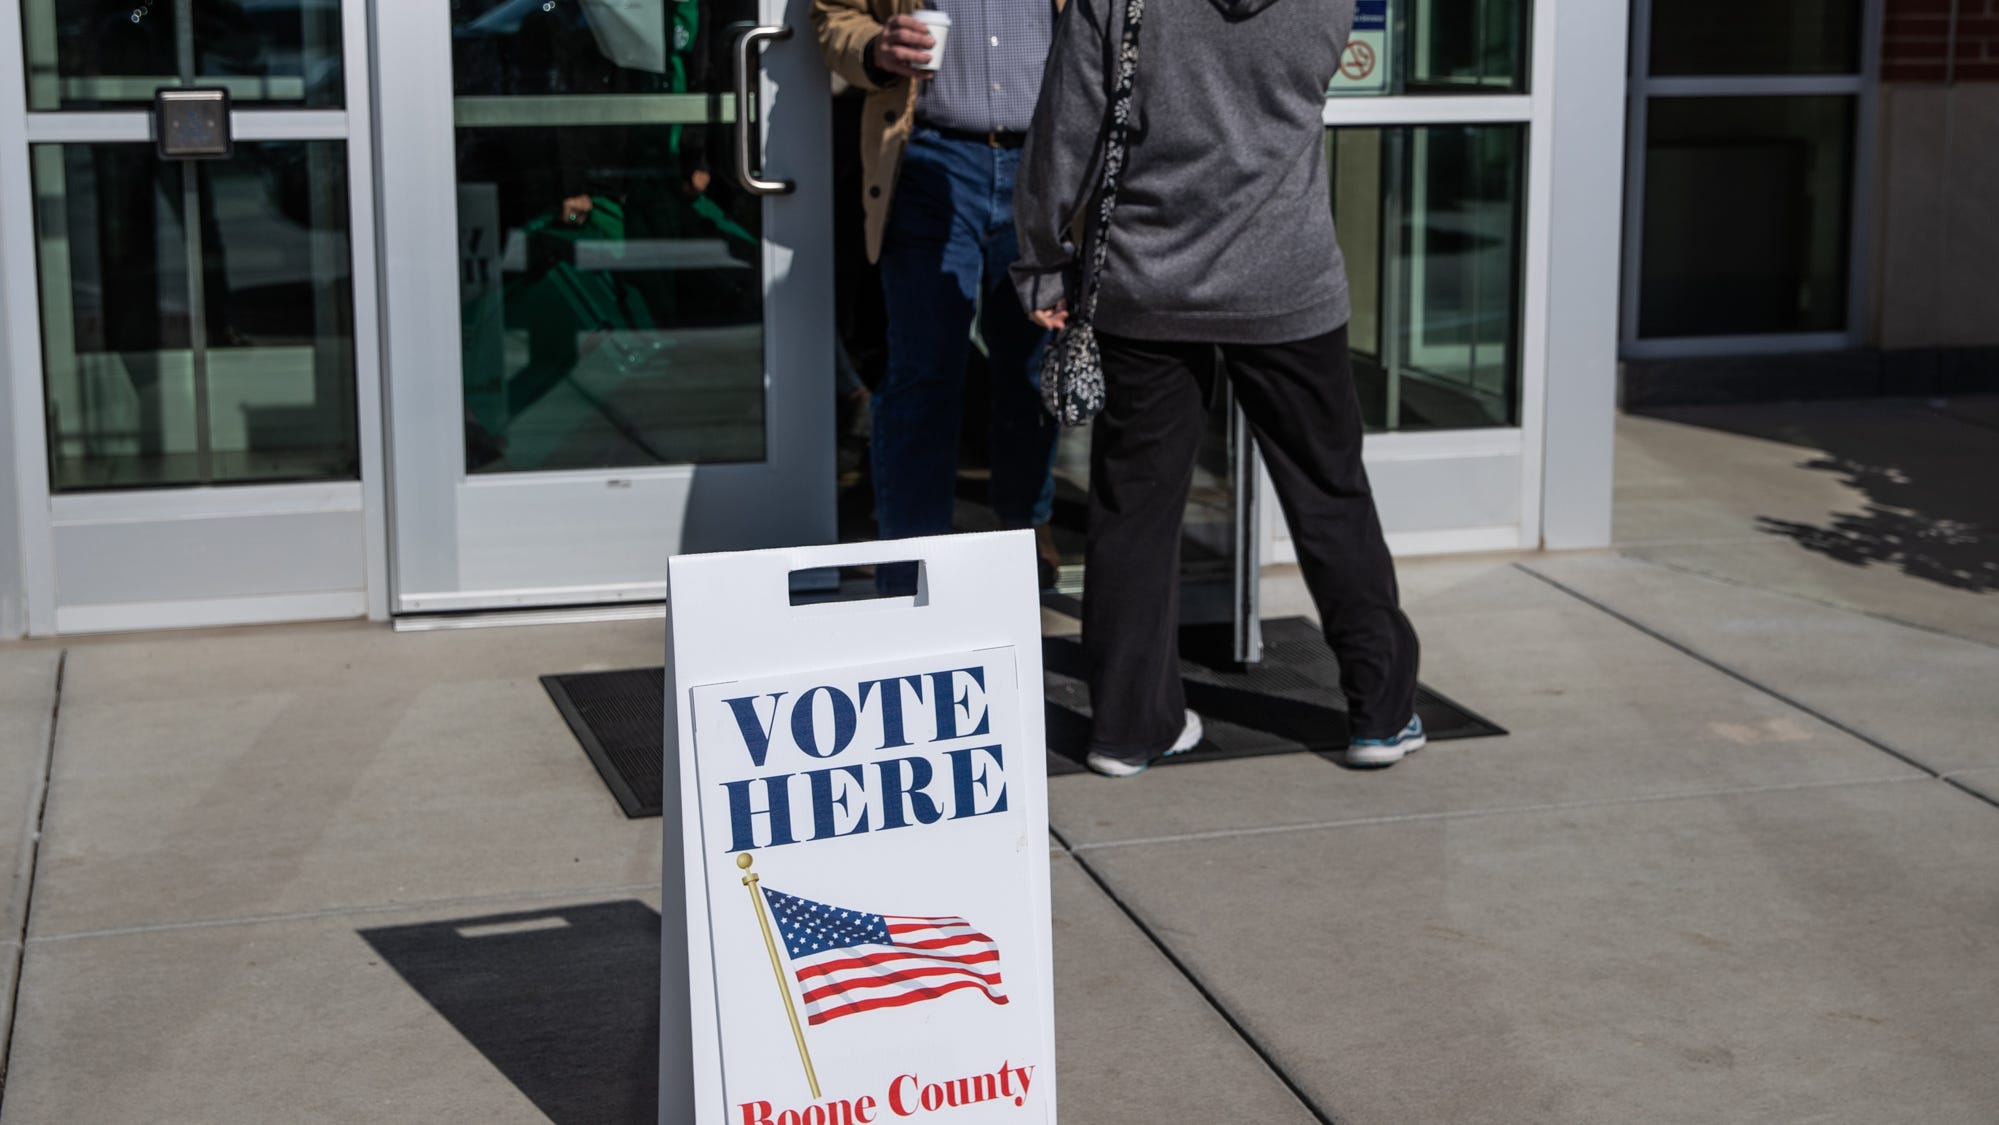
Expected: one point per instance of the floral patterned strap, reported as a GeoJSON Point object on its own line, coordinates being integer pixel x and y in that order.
{"type": "Point", "coordinates": [1114, 155]}
{"type": "Point", "coordinates": [1072, 367]}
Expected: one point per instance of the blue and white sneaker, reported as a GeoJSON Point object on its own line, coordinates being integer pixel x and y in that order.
{"type": "Point", "coordinates": [1110, 765]}
{"type": "Point", "coordinates": [1373, 753]}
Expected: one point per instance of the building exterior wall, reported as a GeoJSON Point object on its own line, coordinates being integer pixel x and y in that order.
{"type": "Point", "coordinates": [1939, 227]}
{"type": "Point", "coordinates": [13, 590]}
{"type": "Point", "coordinates": [1936, 223]}
{"type": "Point", "coordinates": [17, 322]}
{"type": "Point", "coordinates": [1587, 185]}
{"type": "Point", "coordinates": [1940, 41]}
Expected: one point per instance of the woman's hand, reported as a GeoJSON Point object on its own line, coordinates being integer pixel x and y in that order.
{"type": "Point", "coordinates": [1054, 319]}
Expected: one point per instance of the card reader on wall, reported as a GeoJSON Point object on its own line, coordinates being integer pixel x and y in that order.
{"type": "Point", "coordinates": [192, 123]}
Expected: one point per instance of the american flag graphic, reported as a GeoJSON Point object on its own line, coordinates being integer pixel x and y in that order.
{"type": "Point", "coordinates": [851, 961]}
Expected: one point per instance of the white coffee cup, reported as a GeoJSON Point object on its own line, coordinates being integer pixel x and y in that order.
{"type": "Point", "coordinates": [938, 24]}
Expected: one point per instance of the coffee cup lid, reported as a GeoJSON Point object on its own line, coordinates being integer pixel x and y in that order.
{"type": "Point", "coordinates": [932, 15]}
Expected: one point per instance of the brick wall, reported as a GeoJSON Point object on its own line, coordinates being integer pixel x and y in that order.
{"type": "Point", "coordinates": [1917, 44]}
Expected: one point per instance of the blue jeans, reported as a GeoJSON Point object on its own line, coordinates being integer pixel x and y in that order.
{"type": "Point", "coordinates": [944, 259]}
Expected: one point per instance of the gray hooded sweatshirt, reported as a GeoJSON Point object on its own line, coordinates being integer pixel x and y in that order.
{"type": "Point", "coordinates": [1224, 229]}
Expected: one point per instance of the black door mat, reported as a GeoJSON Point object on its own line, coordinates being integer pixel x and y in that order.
{"type": "Point", "coordinates": [1290, 703]}
{"type": "Point", "coordinates": [620, 718]}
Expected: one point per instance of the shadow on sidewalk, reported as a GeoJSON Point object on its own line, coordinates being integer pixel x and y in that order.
{"type": "Point", "coordinates": [1927, 474]}
{"type": "Point", "coordinates": [564, 1001]}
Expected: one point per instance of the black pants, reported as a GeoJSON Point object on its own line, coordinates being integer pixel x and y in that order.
{"type": "Point", "coordinates": [1301, 405]}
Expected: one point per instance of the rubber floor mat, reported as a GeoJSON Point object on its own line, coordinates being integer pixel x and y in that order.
{"type": "Point", "coordinates": [1288, 704]}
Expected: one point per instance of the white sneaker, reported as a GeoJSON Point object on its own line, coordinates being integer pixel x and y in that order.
{"type": "Point", "coordinates": [1112, 766]}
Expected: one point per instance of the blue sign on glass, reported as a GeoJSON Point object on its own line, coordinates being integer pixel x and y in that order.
{"type": "Point", "coordinates": [1364, 63]}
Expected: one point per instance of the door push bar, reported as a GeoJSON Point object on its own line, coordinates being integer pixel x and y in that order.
{"type": "Point", "coordinates": [747, 133]}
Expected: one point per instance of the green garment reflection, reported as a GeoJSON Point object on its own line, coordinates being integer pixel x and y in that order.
{"type": "Point", "coordinates": [609, 275]}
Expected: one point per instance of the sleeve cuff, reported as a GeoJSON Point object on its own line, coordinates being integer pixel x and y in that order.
{"type": "Point", "coordinates": [1041, 288]}
{"type": "Point", "coordinates": [881, 79]}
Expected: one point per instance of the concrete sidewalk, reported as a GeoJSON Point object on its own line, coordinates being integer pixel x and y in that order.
{"type": "Point", "coordinates": [1738, 861]}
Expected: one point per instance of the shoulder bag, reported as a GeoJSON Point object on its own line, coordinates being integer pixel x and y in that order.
{"type": "Point", "coordinates": [1072, 369]}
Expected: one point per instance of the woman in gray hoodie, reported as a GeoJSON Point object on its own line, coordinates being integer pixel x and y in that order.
{"type": "Point", "coordinates": [1222, 260]}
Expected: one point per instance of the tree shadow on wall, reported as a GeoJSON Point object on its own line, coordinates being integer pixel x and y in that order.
{"type": "Point", "coordinates": [1927, 472]}
{"type": "Point", "coordinates": [564, 1001]}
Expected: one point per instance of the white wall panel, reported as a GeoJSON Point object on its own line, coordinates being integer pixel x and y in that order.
{"type": "Point", "coordinates": [209, 557]}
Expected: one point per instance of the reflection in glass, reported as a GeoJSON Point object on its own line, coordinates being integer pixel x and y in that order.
{"type": "Point", "coordinates": [583, 47]}
{"type": "Point", "coordinates": [1736, 37]}
{"type": "Point", "coordinates": [1207, 530]}
{"type": "Point", "coordinates": [1467, 46]}
{"type": "Point", "coordinates": [612, 281]}
{"type": "Point", "coordinates": [1767, 183]}
{"type": "Point", "coordinates": [196, 317]}
{"type": "Point", "coordinates": [1429, 220]}
{"type": "Point", "coordinates": [1436, 47]}
{"type": "Point", "coordinates": [88, 54]}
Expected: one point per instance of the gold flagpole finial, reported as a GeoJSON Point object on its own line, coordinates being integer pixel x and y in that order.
{"type": "Point", "coordinates": [750, 880]}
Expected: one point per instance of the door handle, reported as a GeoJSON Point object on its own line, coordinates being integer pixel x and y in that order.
{"type": "Point", "coordinates": [747, 134]}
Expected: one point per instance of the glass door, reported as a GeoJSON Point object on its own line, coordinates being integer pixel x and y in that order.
{"type": "Point", "coordinates": [204, 354]}
{"type": "Point", "coordinates": [1439, 134]}
{"type": "Point", "coordinates": [609, 292]}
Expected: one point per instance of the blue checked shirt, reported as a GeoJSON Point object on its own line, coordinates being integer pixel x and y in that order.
{"type": "Point", "coordinates": [992, 65]}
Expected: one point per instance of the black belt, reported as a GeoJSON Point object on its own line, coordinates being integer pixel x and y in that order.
{"type": "Point", "coordinates": [997, 138]}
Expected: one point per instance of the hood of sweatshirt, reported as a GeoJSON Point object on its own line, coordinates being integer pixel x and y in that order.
{"type": "Point", "coordinates": [1242, 9]}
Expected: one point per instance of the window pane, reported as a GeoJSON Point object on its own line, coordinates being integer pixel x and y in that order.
{"type": "Point", "coordinates": [612, 286]}
{"type": "Point", "coordinates": [1435, 47]}
{"type": "Point", "coordinates": [1747, 205]}
{"type": "Point", "coordinates": [223, 362]}
{"type": "Point", "coordinates": [1429, 220]}
{"type": "Point", "coordinates": [87, 54]}
{"type": "Point", "coordinates": [592, 47]}
{"type": "Point", "coordinates": [1727, 37]}
{"type": "Point", "coordinates": [1467, 46]}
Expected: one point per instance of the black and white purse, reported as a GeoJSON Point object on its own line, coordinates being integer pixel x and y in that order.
{"type": "Point", "coordinates": [1072, 368]}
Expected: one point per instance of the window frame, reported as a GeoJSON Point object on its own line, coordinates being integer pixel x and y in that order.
{"type": "Point", "coordinates": [1862, 85]}
{"type": "Point", "coordinates": [1522, 446]}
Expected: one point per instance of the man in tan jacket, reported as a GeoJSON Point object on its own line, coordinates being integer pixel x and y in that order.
{"type": "Point", "coordinates": [940, 144]}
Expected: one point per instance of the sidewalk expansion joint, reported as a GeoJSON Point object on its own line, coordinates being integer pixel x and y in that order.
{"type": "Point", "coordinates": [367, 909]}
{"type": "Point", "coordinates": [1742, 678]}
{"type": "Point", "coordinates": [1200, 987]}
{"type": "Point", "coordinates": [27, 865]}
{"type": "Point", "coordinates": [1968, 791]}
{"type": "Point", "coordinates": [1499, 810]}
{"type": "Point", "coordinates": [1953, 415]}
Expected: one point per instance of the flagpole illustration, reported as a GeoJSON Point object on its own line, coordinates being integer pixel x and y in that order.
{"type": "Point", "coordinates": [750, 879]}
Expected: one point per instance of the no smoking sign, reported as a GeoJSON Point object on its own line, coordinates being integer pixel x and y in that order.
{"type": "Point", "coordinates": [1364, 64]}
{"type": "Point", "coordinates": [1358, 62]}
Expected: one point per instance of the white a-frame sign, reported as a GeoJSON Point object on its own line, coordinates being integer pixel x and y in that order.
{"type": "Point", "coordinates": [855, 905]}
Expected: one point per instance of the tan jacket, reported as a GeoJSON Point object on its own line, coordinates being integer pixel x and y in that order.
{"type": "Point", "coordinates": [846, 27]}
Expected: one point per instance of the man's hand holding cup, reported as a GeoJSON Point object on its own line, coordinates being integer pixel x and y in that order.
{"type": "Point", "coordinates": [912, 46]}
